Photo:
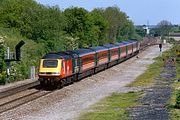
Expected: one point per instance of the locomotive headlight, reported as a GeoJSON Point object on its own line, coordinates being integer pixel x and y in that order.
{"type": "Point", "coordinates": [50, 73]}
{"type": "Point", "coordinates": [55, 73]}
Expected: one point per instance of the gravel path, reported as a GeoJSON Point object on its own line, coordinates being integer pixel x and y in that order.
{"type": "Point", "coordinates": [154, 102]}
{"type": "Point", "coordinates": [69, 102]}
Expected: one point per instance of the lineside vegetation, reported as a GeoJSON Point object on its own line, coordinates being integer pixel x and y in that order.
{"type": "Point", "coordinates": [48, 28]}
{"type": "Point", "coordinates": [114, 107]}
{"type": "Point", "coordinates": [147, 78]}
{"type": "Point", "coordinates": [174, 103]}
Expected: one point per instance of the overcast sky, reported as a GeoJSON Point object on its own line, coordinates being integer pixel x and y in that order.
{"type": "Point", "coordinates": [139, 11]}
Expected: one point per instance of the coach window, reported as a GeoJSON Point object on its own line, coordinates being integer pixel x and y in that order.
{"type": "Point", "coordinates": [88, 59]}
{"type": "Point", "coordinates": [102, 55]}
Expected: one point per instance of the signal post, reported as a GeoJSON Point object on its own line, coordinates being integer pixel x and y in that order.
{"type": "Point", "coordinates": [11, 56]}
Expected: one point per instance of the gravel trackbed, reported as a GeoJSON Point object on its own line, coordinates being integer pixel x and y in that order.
{"type": "Point", "coordinates": [154, 102]}
{"type": "Point", "coordinates": [67, 103]}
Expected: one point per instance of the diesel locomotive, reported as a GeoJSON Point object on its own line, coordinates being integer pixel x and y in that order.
{"type": "Point", "coordinates": [62, 68]}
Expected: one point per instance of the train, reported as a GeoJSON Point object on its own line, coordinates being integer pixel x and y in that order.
{"type": "Point", "coordinates": [62, 68]}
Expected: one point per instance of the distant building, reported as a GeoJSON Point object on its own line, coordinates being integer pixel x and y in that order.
{"type": "Point", "coordinates": [176, 36]}
{"type": "Point", "coordinates": [146, 28]}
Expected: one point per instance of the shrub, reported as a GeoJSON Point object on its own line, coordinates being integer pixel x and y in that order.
{"type": "Point", "coordinates": [177, 105]}
{"type": "Point", "coordinates": [2, 78]}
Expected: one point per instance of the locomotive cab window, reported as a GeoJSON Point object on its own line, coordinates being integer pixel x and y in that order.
{"type": "Point", "coordinates": [50, 63]}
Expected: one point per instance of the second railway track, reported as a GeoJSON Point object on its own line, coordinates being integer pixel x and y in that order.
{"type": "Point", "coordinates": [11, 101]}
{"type": "Point", "coordinates": [16, 89]}
{"type": "Point", "coordinates": [17, 96]}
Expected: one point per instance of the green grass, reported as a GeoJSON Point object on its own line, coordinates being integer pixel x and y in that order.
{"type": "Point", "coordinates": [178, 68]}
{"type": "Point", "coordinates": [147, 78]}
{"type": "Point", "coordinates": [113, 107]}
{"type": "Point", "coordinates": [175, 113]}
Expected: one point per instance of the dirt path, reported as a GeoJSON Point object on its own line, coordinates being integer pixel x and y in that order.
{"type": "Point", "coordinates": [69, 102]}
{"type": "Point", "coordinates": [154, 102]}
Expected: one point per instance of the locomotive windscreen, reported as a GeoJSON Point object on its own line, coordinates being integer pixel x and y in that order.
{"type": "Point", "coordinates": [50, 63]}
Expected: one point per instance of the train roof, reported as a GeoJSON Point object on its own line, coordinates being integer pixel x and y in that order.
{"type": "Point", "coordinates": [132, 40]}
{"type": "Point", "coordinates": [84, 51]}
{"type": "Point", "coordinates": [111, 46]}
{"type": "Point", "coordinates": [127, 42]}
{"type": "Point", "coordinates": [120, 43]}
{"type": "Point", "coordinates": [98, 48]}
{"type": "Point", "coordinates": [64, 55]}
{"type": "Point", "coordinates": [72, 53]}
{"type": "Point", "coordinates": [51, 56]}
{"type": "Point", "coordinates": [58, 55]}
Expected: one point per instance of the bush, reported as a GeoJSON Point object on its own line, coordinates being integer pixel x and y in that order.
{"type": "Point", "coordinates": [177, 105]}
{"type": "Point", "coordinates": [2, 78]}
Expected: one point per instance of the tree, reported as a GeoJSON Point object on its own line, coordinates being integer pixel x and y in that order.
{"type": "Point", "coordinates": [77, 24]}
{"type": "Point", "coordinates": [164, 27]}
{"type": "Point", "coordinates": [32, 20]}
{"type": "Point", "coordinates": [119, 26]}
{"type": "Point", "coordinates": [70, 43]}
{"type": "Point", "coordinates": [127, 31]}
{"type": "Point", "coordinates": [90, 28]}
{"type": "Point", "coordinates": [99, 29]}
{"type": "Point", "coordinates": [177, 105]}
{"type": "Point", "coordinates": [140, 31]}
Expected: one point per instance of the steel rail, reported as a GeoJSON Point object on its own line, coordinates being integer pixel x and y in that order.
{"type": "Point", "coordinates": [17, 89]}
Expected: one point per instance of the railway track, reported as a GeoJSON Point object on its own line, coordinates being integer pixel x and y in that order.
{"type": "Point", "coordinates": [17, 96]}
{"type": "Point", "coordinates": [17, 89]}
{"type": "Point", "coordinates": [12, 101]}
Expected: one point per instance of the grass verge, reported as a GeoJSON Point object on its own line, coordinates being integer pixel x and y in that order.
{"type": "Point", "coordinates": [147, 78]}
{"type": "Point", "coordinates": [113, 107]}
{"type": "Point", "coordinates": [175, 113]}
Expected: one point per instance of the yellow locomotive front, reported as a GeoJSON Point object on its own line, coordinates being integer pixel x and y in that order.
{"type": "Point", "coordinates": [50, 69]}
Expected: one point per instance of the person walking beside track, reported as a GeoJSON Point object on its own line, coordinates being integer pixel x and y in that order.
{"type": "Point", "coordinates": [160, 47]}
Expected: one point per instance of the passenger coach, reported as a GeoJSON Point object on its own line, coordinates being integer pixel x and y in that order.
{"type": "Point", "coordinates": [61, 68]}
